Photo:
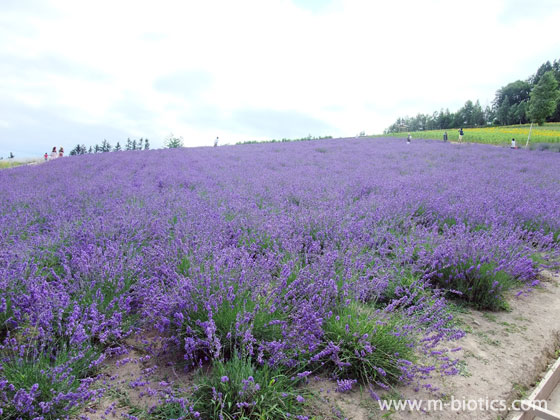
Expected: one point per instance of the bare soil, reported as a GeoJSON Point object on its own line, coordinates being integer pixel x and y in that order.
{"type": "Point", "coordinates": [504, 355]}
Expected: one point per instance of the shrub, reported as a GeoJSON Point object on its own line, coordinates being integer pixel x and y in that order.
{"type": "Point", "coordinates": [480, 284]}
{"type": "Point", "coordinates": [239, 389]}
{"type": "Point", "coordinates": [45, 383]}
{"type": "Point", "coordinates": [366, 345]}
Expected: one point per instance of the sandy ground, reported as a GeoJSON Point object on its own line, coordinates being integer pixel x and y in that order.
{"type": "Point", "coordinates": [135, 381]}
{"type": "Point", "coordinates": [504, 355]}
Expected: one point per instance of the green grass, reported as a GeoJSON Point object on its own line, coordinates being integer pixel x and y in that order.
{"type": "Point", "coordinates": [502, 135]}
{"type": "Point", "coordinates": [49, 374]}
{"type": "Point", "coordinates": [239, 389]}
{"type": "Point", "coordinates": [239, 311]}
{"type": "Point", "coordinates": [11, 163]}
{"type": "Point", "coordinates": [370, 348]}
{"type": "Point", "coordinates": [480, 285]}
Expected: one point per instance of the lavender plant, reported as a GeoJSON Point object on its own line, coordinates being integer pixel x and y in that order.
{"type": "Point", "coordinates": [255, 250]}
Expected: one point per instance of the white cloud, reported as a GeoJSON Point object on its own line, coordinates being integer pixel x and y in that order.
{"type": "Point", "coordinates": [201, 69]}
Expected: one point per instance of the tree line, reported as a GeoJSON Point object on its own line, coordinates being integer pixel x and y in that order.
{"type": "Point", "coordinates": [536, 99]}
{"type": "Point", "coordinates": [141, 144]}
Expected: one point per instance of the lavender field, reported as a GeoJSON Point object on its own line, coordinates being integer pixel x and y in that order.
{"type": "Point", "coordinates": [261, 265]}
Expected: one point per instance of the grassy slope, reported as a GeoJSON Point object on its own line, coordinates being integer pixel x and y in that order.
{"type": "Point", "coordinates": [10, 163]}
{"type": "Point", "coordinates": [548, 133]}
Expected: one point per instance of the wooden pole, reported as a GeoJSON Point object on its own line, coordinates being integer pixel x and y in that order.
{"type": "Point", "coordinates": [528, 138]}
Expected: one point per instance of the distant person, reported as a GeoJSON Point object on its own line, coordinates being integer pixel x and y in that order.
{"type": "Point", "coordinates": [408, 138]}
{"type": "Point", "coordinates": [46, 156]}
{"type": "Point", "coordinates": [54, 155]}
{"type": "Point", "coordinates": [513, 146]}
{"type": "Point", "coordinates": [61, 152]}
{"type": "Point", "coordinates": [461, 135]}
{"type": "Point", "coordinates": [216, 142]}
{"type": "Point", "coordinates": [445, 137]}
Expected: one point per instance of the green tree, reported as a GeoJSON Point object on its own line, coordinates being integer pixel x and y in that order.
{"type": "Point", "coordinates": [516, 92]}
{"type": "Point", "coordinates": [503, 111]}
{"type": "Point", "coordinates": [76, 150]}
{"type": "Point", "coordinates": [105, 146]}
{"type": "Point", "coordinates": [544, 98]}
{"type": "Point", "coordinates": [478, 114]}
{"type": "Point", "coordinates": [172, 142]}
{"type": "Point", "coordinates": [117, 147]}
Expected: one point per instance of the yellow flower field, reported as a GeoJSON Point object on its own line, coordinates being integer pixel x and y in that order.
{"type": "Point", "coordinates": [548, 133]}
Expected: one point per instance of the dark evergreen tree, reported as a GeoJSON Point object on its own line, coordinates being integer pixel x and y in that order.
{"type": "Point", "coordinates": [105, 146]}
{"type": "Point", "coordinates": [544, 98]}
{"type": "Point", "coordinates": [134, 144]}
{"type": "Point", "coordinates": [146, 144]}
{"type": "Point", "coordinates": [128, 144]}
{"type": "Point", "coordinates": [117, 147]}
{"type": "Point", "coordinates": [90, 149]}
{"type": "Point", "coordinates": [76, 150]}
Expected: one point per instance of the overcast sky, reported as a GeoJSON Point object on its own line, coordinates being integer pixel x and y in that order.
{"type": "Point", "coordinates": [83, 71]}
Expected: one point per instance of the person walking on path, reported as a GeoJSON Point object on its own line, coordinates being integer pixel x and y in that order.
{"type": "Point", "coordinates": [513, 146]}
{"type": "Point", "coordinates": [445, 137]}
{"type": "Point", "coordinates": [54, 155]}
{"type": "Point", "coordinates": [461, 135]}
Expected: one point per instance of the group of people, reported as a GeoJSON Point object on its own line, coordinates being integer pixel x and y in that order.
{"type": "Point", "coordinates": [461, 133]}
{"type": "Point", "coordinates": [446, 138]}
{"type": "Point", "coordinates": [54, 154]}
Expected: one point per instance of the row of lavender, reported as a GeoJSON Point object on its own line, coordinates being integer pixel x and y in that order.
{"type": "Point", "coordinates": [313, 256]}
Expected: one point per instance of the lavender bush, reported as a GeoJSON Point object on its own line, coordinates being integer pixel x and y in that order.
{"type": "Point", "coordinates": [261, 251]}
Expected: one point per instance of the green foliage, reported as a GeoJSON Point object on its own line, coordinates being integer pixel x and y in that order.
{"type": "Point", "coordinates": [239, 389]}
{"type": "Point", "coordinates": [371, 344]}
{"type": "Point", "coordinates": [234, 314]}
{"type": "Point", "coordinates": [549, 133]}
{"type": "Point", "coordinates": [543, 227]}
{"type": "Point", "coordinates": [53, 372]}
{"type": "Point", "coordinates": [544, 98]}
{"type": "Point", "coordinates": [510, 106]}
{"type": "Point", "coordinates": [172, 142]}
{"type": "Point", "coordinates": [516, 92]}
{"type": "Point", "coordinates": [480, 285]}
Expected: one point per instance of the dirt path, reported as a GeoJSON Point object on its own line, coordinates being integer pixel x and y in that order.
{"type": "Point", "coordinates": [504, 354]}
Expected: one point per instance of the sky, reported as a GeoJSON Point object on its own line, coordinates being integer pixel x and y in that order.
{"type": "Point", "coordinates": [82, 71]}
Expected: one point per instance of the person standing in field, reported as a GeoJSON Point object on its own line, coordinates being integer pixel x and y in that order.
{"type": "Point", "coordinates": [408, 138]}
{"type": "Point", "coordinates": [54, 155]}
{"type": "Point", "coordinates": [46, 156]}
{"type": "Point", "coordinates": [461, 135]}
{"type": "Point", "coordinates": [513, 146]}
{"type": "Point", "coordinates": [216, 142]}
{"type": "Point", "coordinates": [445, 137]}
{"type": "Point", "coordinates": [61, 152]}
